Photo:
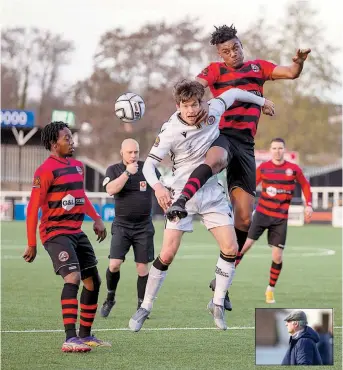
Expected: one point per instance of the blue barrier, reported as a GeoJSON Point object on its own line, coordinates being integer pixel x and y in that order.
{"type": "Point", "coordinates": [106, 212]}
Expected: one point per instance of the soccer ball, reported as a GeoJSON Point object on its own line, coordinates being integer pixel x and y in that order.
{"type": "Point", "coordinates": [129, 107]}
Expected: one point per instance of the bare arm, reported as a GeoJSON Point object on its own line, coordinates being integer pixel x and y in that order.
{"type": "Point", "coordinates": [202, 81]}
{"type": "Point", "coordinates": [293, 71]}
{"type": "Point", "coordinates": [116, 185]}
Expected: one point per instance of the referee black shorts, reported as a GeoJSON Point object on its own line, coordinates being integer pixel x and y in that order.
{"type": "Point", "coordinates": [140, 237]}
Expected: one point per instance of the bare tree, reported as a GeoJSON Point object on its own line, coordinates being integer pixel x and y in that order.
{"type": "Point", "coordinates": [35, 58]}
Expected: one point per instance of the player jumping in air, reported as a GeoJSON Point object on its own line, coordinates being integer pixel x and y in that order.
{"type": "Point", "coordinates": [278, 179]}
{"type": "Point", "coordinates": [234, 148]}
{"type": "Point", "coordinates": [187, 143]}
{"type": "Point", "coordinates": [58, 189]}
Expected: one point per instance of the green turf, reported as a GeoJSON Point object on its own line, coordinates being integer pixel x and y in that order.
{"type": "Point", "coordinates": [31, 293]}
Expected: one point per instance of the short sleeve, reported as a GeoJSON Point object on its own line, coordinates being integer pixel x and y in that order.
{"type": "Point", "coordinates": [110, 176]}
{"type": "Point", "coordinates": [267, 69]}
{"type": "Point", "coordinates": [210, 74]}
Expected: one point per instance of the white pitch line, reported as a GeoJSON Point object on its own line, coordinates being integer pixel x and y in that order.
{"type": "Point", "coordinates": [37, 331]}
{"type": "Point", "coordinates": [127, 329]}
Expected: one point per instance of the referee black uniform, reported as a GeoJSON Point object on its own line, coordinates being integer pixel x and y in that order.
{"type": "Point", "coordinates": [132, 226]}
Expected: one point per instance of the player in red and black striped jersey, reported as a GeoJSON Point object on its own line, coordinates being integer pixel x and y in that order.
{"type": "Point", "coordinates": [58, 190]}
{"type": "Point", "coordinates": [234, 149]}
{"type": "Point", "coordinates": [278, 179]}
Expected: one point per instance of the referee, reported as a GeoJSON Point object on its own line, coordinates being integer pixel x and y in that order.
{"type": "Point", "coordinates": [132, 224]}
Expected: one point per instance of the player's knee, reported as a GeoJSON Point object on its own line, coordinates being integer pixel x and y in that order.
{"type": "Point", "coordinates": [142, 269]}
{"type": "Point", "coordinates": [73, 278]}
{"type": "Point", "coordinates": [243, 222]}
{"type": "Point", "coordinates": [114, 265]}
{"type": "Point", "coordinates": [216, 159]}
{"type": "Point", "coordinates": [277, 255]}
{"type": "Point", "coordinates": [229, 248]}
{"type": "Point", "coordinates": [167, 257]}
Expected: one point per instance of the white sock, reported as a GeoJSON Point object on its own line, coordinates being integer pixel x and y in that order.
{"type": "Point", "coordinates": [270, 288]}
{"type": "Point", "coordinates": [153, 285]}
{"type": "Point", "coordinates": [225, 271]}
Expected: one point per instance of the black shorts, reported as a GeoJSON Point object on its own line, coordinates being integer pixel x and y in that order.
{"type": "Point", "coordinates": [277, 229]}
{"type": "Point", "coordinates": [70, 253]}
{"type": "Point", "coordinates": [141, 237]}
{"type": "Point", "coordinates": [241, 170]}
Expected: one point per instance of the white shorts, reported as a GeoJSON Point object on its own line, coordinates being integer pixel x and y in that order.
{"type": "Point", "coordinates": [210, 203]}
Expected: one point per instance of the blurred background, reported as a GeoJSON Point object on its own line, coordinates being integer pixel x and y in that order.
{"type": "Point", "coordinates": [272, 337]}
{"type": "Point", "coordinates": [70, 61]}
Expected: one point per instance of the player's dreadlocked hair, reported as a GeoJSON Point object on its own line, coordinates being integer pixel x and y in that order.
{"type": "Point", "coordinates": [223, 34]}
{"type": "Point", "coordinates": [50, 133]}
{"type": "Point", "coordinates": [187, 89]}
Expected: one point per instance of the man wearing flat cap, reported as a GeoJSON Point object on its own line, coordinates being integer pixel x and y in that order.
{"type": "Point", "coordinates": [302, 343]}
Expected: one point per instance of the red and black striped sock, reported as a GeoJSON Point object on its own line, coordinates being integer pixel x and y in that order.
{"type": "Point", "coordinates": [275, 271]}
{"type": "Point", "coordinates": [89, 305]}
{"type": "Point", "coordinates": [196, 180]}
{"type": "Point", "coordinates": [69, 308]}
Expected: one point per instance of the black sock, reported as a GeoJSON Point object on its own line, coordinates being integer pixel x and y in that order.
{"type": "Point", "coordinates": [69, 308]}
{"type": "Point", "coordinates": [112, 279]}
{"type": "Point", "coordinates": [241, 238]}
{"type": "Point", "coordinates": [159, 265]}
{"type": "Point", "coordinates": [89, 305]}
{"type": "Point", "coordinates": [141, 284]}
{"type": "Point", "coordinates": [196, 180]}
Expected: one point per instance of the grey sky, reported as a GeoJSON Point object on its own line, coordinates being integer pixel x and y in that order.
{"type": "Point", "coordinates": [84, 21]}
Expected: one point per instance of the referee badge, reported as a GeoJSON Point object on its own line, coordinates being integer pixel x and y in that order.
{"type": "Point", "coordinates": [142, 186]}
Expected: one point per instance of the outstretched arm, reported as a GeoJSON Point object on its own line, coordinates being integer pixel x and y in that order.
{"type": "Point", "coordinates": [293, 71]}
{"type": "Point", "coordinates": [228, 98]}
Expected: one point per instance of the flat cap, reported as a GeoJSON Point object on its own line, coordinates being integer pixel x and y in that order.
{"type": "Point", "coordinates": [296, 316]}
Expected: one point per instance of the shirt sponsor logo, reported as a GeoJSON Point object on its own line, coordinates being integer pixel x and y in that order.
{"type": "Point", "coordinates": [271, 191]}
{"type": "Point", "coordinates": [68, 202]}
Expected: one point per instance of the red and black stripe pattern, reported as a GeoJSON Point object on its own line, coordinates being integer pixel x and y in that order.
{"type": "Point", "coordinates": [278, 185]}
{"type": "Point", "coordinates": [64, 206]}
{"type": "Point", "coordinates": [275, 271]}
{"type": "Point", "coordinates": [250, 77]}
{"type": "Point", "coordinates": [69, 305]}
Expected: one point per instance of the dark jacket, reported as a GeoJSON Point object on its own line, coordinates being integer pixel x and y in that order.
{"type": "Point", "coordinates": [325, 348]}
{"type": "Point", "coordinates": [303, 350]}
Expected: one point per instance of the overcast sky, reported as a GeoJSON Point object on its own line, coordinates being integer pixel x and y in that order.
{"type": "Point", "coordinates": [84, 21]}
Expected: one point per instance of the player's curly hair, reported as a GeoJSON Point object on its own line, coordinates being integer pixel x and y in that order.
{"type": "Point", "coordinates": [223, 34]}
{"type": "Point", "coordinates": [188, 89]}
{"type": "Point", "coordinates": [50, 133]}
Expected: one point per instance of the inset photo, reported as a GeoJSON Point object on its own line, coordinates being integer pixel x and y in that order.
{"type": "Point", "coordinates": [294, 336]}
